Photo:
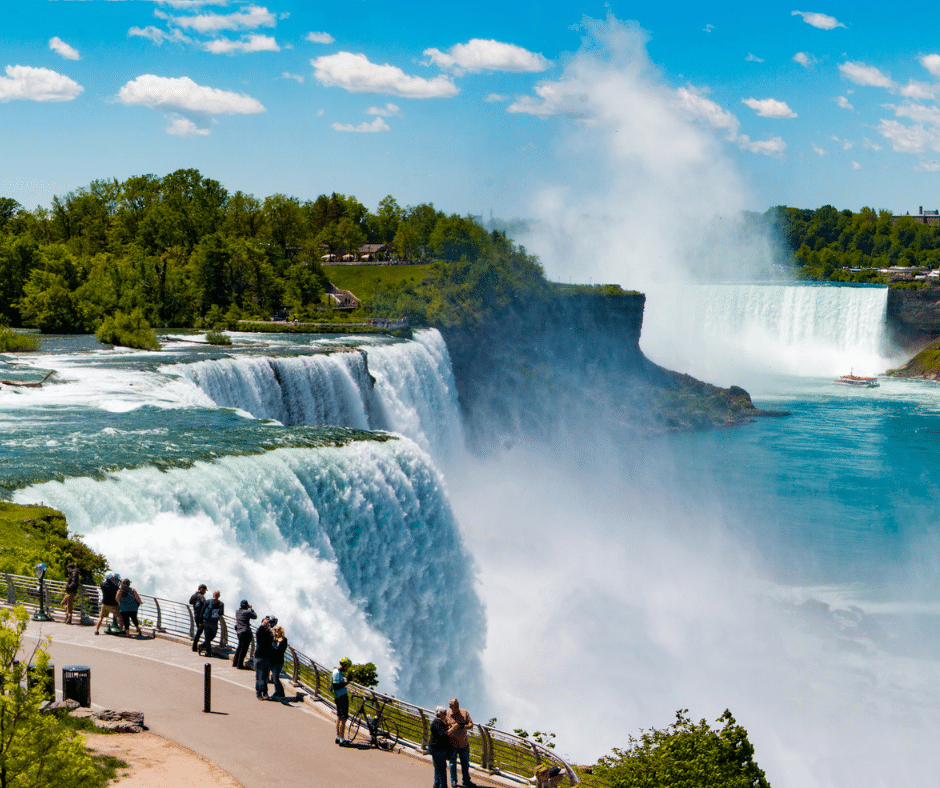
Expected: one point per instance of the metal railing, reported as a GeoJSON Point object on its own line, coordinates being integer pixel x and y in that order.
{"type": "Point", "coordinates": [492, 750]}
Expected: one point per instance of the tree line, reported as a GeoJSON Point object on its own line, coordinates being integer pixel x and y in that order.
{"type": "Point", "coordinates": [828, 244]}
{"type": "Point", "coordinates": [182, 251]}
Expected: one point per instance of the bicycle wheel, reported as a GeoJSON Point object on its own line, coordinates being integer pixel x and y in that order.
{"type": "Point", "coordinates": [386, 737]}
{"type": "Point", "coordinates": [352, 727]}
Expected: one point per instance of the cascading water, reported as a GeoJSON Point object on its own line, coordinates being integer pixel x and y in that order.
{"type": "Point", "coordinates": [721, 332]}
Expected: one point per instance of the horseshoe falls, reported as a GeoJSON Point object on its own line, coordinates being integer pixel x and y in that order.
{"type": "Point", "coordinates": [785, 569]}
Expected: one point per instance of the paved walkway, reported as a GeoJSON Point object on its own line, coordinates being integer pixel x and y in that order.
{"type": "Point", "coordinates": [261, 744]}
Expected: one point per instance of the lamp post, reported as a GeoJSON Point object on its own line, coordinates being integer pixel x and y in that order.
{"type": "Point", "coordinates": [40, 615]}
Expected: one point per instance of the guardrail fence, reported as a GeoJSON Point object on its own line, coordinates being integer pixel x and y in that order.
{"type": "Point", "coordinates": [494, 751]}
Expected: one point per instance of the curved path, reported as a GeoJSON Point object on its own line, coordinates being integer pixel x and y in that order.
{"type": "Point", "coordinates": [261, 744]}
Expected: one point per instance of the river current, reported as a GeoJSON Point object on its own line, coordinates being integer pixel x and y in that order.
{"type": "Point", "coordinates": [786, 569]}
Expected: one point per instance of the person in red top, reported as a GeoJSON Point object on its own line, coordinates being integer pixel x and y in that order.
{"type": "Point", "coordinates": [459, 724]}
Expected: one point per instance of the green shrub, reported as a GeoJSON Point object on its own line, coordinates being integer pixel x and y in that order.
{"type": "Point", "coordinates": [128, 331]}
{"type": "Point", "coordinates": [364, 675]}
{"type": "Point", "coordinates": [685, 755]}
{"type": "Point", "coordinates": [13, 342]}
{"type": "Point", "coordinates": [216, 337]}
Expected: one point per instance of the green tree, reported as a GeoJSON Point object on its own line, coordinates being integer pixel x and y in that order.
{"type": "Point", "coordinates": [128, 331]}
{"type": "Point", "coordinates": [686, 755]}
{"type": "Point", "coordinates": [36, 749]}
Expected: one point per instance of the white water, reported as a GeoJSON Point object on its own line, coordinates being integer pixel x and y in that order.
{"type": "Point", "coordinates": [723, 333]}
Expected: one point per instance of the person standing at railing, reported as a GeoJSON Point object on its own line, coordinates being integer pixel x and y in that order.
{"type": "Point", "coordinates": [278, 652]}
{"type": "Point", "coordinates": [197, 602]}
{"type": "Point", "coordinates": [243, 617]}
{"type": "Point", "coordinates": [441, 746]}
{"type": "Point", "coordinates": [341, 698]}
{"type": "Point", "coordinates": [459, 724]}
{"type": "Point", "coordinates": [212, 612]}
{"type": "Point", "coordinates": [71, 590]}
{"type": "Point", "coordinates": [109, 589]}
{"type": "Point", "coordinates": [264, 639]}
{"type": "Point", "coordinates": [128, 604]}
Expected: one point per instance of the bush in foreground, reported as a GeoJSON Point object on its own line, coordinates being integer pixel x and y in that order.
{"type": "Point", "coordinates": [13, 342]}
{"type": "Point", "coordinates": [685, 755]}
{"type": "Point", "coordinates": [128, 331]}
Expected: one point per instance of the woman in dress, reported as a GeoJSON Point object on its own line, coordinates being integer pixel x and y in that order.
{"type": "Point", "coordinates": [128, 601]}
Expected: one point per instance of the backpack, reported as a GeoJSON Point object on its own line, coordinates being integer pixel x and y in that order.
{"type": "Point", "coordinates": [211, 613]}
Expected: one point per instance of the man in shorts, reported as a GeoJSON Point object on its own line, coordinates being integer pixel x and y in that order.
{"type": "Point", "coordinates": [341, 696]}
{"type": "Point", "coordinates": [109, 606]}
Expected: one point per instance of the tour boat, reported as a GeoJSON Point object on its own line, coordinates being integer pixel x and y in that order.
{"type": "Point", "coordinates": [856, 380]}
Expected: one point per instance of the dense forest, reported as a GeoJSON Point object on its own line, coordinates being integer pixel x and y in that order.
{"type": "Point", "coordinates": [834, 245]}
{"type": "Point", "coordinates": [181, 251]}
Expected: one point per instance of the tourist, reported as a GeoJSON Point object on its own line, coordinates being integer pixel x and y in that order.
{"type": "Point", "coordinates": [128, 604]}
{"type": "Point", "coordinates": [441, 746]}
{"type": "Point", "coordinates": [71, 590]}
{"type": "Point", "coordinates": [278, 652]}
{"type": "Point", "coordinates": [264, 638]}
{"type": "Point", "coordinates": [459, 725]}
{"type": "Point", "coordinates": [341, 698]}
{"type": "Point", "coordinates": [212, 612]}
{"type": "Point", "coordinates": [197, 602]}
{"type": "Point", "coordinates": [243, 617]}
{"type": "Point", "coordinates": [109, 589]}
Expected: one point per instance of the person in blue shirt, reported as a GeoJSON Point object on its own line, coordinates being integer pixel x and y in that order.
{"type": "Point", "coordinates": [341, 696]}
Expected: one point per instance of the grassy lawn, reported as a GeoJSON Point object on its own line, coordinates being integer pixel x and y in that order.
{"type": "Point", "coordinates": [360, 280]}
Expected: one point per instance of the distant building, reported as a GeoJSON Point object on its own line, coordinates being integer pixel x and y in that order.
{"type": "Point", "coordinates": [922, 217]}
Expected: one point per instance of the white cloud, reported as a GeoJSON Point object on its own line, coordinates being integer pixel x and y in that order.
{"type": "Point", "coordinates": [319, 38]}
{"type": "Point", "coordinates": [368, 128]}
{"type": "Point", "coordinates": [252, 43]}
{"type": "Point", "coordinates": [917, 112]}
{"type": "Point", "coordinates": [927, 166]}
{"type": "Point", "coordinates": [184, 94]}
{"type": "Point", "coordinates": [487, 55]}
{"type": "Point", "coordinates": [775, 146]}
{"type": "Point", "coordinates": [253, 17]}
{"type": "Point", "coordinates": [918, 90]}
{"type": "Point", "coordinates": [805, 59]}
{"type": "Point", "coordinates": [843, 102]}
{"type": "Point", "coordinates": [818, 150]}
{"type": "Point", "coordinates": [696, 104]}
{"type": "Point", "coordinates": [57, 45]}
{"type": "Point", "coordinates": [932, 64]}
{"type": "Point", "coordinates": [184, 127]}
{"type": "Point", "coordinates": [909, 139]}
{"type": "Point", "coordinates": [496, 97]}
{"type": "Point", "coordinates": [37, 84]}
{"type": "Point", "coordinates": [868, 144]}
{"type": "Point", "coordinates": [708, 28]}
{"type": "Point", "coordinates": [388, 111]}
{"type": "Point", "coordinates": [769, 108]}
{"type": "Point", "coordinates": [356, 74]}
{"type": "Point", "coordinates": [752, 58]}
{"type": "Point", "coordinates": [821, 21]}
{"type": "Point", "coordinates": [158, 36]}
{"type": "Point", "coordinates": [847, 144]}
{"type": "Point", "coordinates": [856, 165]}
{"type": "Point", "coordinates": [861, 74]}
{"type": "Point", "coordinates": [296, 77]}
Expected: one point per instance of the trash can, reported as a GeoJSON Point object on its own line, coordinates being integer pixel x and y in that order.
{"type": "Point", "coordinates": [45, 680]}
{"type": "Point", "coordinates": [76, 684]}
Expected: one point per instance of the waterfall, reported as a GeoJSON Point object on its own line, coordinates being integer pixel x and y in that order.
{"type": "Point", "coordinates": [355, 549]}
{"type": "Point", "coordinates": [719, 331]}
{"type": "Point", "coordinates": [404, 387]}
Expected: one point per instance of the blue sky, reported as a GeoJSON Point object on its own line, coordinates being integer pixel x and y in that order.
{"type": "Point", "coordinates": [476, 107]}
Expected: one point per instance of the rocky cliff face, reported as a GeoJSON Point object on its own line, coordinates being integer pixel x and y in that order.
{"type": "Point", "coordinates": [914, 315]}
{"type": "Point", "coordinates": [572, 364]}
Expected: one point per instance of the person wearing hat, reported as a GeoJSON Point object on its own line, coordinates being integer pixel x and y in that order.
{"type": "Point", "coordinates": [197, 602]}
{"type": "Point", "coordinates": [243, 617]}
{"type": "Point", "coordinates": [341, 697]}
{"type": "Point", "coordinates": [109, 607]}
{"type": "Point", "coordinates": [264, 641]}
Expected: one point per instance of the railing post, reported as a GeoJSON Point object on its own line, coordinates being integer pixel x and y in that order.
{"type": "Point", "coordinates": [192, 622]}
{"type": "Point", "coordinates": [316, 681]}
{"type": "Point", "coordinates": [11, 591]}
{"type": "Point", "coordinates": [295, 672]}
{"type": "Point", "coordinates": [81, 604]}
{"type": "Point", "coordinates": [425, 737]}
{"type": "Point", "coordinates": [223, 638]}
{"type": "Point", "coordinates": [535, 752]}
{"type": "Point", "coordinates": [159, 615]}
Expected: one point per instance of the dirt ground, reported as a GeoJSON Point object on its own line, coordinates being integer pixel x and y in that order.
{"type": "Point", "coordinates": [155, 762]}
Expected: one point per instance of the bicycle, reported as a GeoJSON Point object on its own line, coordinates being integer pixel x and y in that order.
{"type": "Point", "coordinates": [383, 731]}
